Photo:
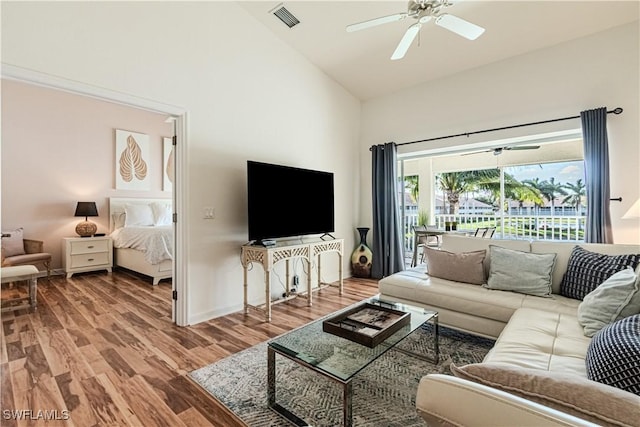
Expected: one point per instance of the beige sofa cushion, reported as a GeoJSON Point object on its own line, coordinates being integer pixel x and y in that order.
{"type": "Point", "coordinates": [545, 340]}
{"type": "Point", "coordinates": [447, 401]}
{"type": "Point", "coordinates": [556, 303]}
{"type": "Point", "coordinates": [569, 393]}
{"type": "Point", "coordinates": [415, 285]}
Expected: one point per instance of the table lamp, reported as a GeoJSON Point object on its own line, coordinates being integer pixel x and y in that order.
{"type": "Point", "coordinates": [86, 228]}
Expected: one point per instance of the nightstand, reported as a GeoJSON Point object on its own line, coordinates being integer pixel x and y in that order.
{"type": "Point", "coordinates": [81, 254]}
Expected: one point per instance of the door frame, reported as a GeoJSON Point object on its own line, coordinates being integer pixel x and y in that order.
{"type": "Point", "coordinates": [180, 271]}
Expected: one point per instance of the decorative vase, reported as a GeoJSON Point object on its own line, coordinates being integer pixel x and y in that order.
{"type": "Point", "coordinates": [362, 256]}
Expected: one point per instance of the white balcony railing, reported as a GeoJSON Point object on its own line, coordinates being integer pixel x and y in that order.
{"type": "Point", "coordinates": [529, 227]}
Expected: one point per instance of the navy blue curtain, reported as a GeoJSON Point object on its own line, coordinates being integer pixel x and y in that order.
{"type": "Point", "coordinates": [388, 256]}
{"type": "Point", "coordinates": [596, 159]}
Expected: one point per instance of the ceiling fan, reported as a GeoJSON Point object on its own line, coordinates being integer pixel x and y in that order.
{"type": "Point", "coordinates": [422, 11]}
{"type": "Point", "coordinates": [497, 151]}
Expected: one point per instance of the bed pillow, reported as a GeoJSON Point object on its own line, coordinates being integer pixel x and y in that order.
{"type": "Point", "coordinates": [616, 298]}
{"type": "Point", "coordinates": [161, 213]}
{"type": "Point", "coordinates": [522, 272]}
{"type": "Point", "coordinates": [13, 244]}
{"type": "Point", "coordinates": [569, 393]}
{"type": "Point", "coordinates": [137, 215]}
{"type": "Point", "coordinates": [466, 267]}
{"type": "Point", "coordinates": [118, 219]}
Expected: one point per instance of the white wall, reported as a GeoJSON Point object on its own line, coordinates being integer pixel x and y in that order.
{"type": "Point", "coordinates": [248, 96]}
{"type": "Point", "coordinates": [560, 81]}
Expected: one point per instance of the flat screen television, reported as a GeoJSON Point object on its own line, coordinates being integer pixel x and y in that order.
{"type": "Point", "coordinates": [284, 201]}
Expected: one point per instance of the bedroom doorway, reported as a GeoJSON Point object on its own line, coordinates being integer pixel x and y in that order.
{"type": "Point", "coordinates": [170, 172]}
{"type": "Point", "coordinates": [179, 302]}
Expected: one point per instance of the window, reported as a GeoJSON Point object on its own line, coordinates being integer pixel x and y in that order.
{"type": "Point", "coordinates": [542, 201]}
{"type": "Point", "coordinates": [532, 193]}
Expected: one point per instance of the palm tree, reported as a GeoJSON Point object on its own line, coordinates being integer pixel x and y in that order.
{"type": "Point", "coordinates": [550, 190]}
{"type": "Point", "coordinates": [536, 187]}
{"type": "Point", "coordinates": [526, 193]}
{"type": "Point", "coordinates": [492, 185]}
{"type": "Point", "coordinates": [453, 184]}
{"type": "Point", "coordinates": [489, 199]}
{"type": "Point", "coordinates": [578, 194]}
{"type": "Point", "coordinates": [411, 184]}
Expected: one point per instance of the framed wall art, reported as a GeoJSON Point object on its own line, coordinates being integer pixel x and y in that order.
{"type": "Point", "coordinates": [132, 161]}
{"type": "Point", "coordinates": [168, 164]}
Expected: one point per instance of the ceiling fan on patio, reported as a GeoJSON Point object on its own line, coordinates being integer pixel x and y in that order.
{"type": "Point", "coordinates": [422, 11]}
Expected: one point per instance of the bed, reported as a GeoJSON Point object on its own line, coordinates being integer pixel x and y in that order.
{"type": "Point", "coordinates": [142, 234]}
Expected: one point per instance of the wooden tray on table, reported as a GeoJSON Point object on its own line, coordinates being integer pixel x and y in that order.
{"type": "Point", "coordinates": [367, 324]}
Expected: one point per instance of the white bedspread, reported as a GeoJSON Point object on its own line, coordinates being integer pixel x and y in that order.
{"type": "Point", "coordinates": [155, 242]}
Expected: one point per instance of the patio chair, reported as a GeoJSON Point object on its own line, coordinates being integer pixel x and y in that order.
{"type": "Point", "coordinates": [480, 232]}
{"type": "Point", "coordinates": [422, 239]}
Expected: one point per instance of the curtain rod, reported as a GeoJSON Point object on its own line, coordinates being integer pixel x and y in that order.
{"type": "Point", "coordinates": [614, 111]}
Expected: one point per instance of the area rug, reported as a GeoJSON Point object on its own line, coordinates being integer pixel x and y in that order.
{"type": "Point", "coordinates": [384, 392]}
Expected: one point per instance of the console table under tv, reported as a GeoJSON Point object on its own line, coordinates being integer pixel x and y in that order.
{"type": "Point", "coordinates": [267, 256]}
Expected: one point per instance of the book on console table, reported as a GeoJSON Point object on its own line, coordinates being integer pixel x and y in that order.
{"type": "Point", "coordinates": [367, 324]}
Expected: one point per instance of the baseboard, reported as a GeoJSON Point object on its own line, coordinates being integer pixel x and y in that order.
{"type": "Point", "coordinates": [212, 314]}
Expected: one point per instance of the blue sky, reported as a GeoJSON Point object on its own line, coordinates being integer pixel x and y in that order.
{"type": "Point", "coordinates": [563, 172]}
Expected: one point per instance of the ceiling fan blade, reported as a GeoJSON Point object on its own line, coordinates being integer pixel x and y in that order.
{"type": "Point", "coordinates": [459, 26]}
{"type": "Point", "coordinates": [406, 41]}
{"type": "Point", "coordinates": [378, 21]}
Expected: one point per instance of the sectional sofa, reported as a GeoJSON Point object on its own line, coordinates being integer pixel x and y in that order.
{"type": "Point", "coordinates": [536, 374]}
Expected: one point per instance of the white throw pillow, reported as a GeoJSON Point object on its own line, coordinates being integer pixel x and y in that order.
{"type": "Point", "coordinates": [605, 304]}
{"type": "Point", "coordinates": [138, 215]}
{"type": "Point", "coordinates": [161, 213]}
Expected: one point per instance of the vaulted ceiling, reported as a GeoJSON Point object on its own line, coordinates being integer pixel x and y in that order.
{"type": "Point", "coordinates": [360, 61]}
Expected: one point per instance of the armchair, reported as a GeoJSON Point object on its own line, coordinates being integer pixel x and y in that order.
{"type": "Point", "coordinates": [32, 253]}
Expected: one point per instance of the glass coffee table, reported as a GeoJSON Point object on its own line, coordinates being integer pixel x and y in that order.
{"type": "Point", "coordinates": [339, 358]}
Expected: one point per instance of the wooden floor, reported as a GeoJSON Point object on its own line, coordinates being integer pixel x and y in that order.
{"type": "Point", "coordinates": [101, 350]}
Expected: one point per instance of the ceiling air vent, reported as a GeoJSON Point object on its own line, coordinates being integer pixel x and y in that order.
{"type": "Point", "coordinates": [285, 16]}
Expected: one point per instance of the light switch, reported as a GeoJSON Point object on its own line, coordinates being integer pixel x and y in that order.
{"type": "Point", "coordinates": [209, 213]}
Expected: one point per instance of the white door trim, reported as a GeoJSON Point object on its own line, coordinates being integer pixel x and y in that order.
{"type": "Point", "coordinates": [180, 273]}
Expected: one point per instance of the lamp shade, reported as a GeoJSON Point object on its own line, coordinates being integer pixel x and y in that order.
{"type": "Point", "coordinates": [86, 209]}
{"type": "Point", "coordinates": [634, 211]}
